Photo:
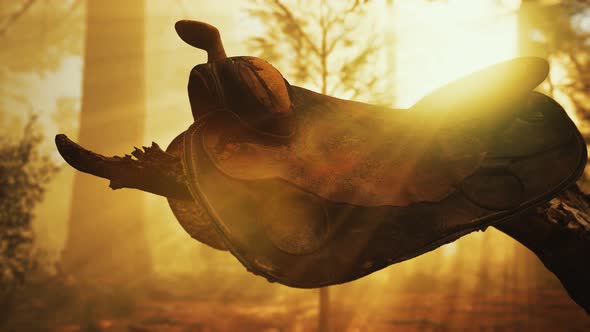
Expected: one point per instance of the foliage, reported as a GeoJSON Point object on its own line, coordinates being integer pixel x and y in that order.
{"type": "Point", "coordinates": [320, 43]}
{"type": "Point", "coordinates": [560, 31]}
{"type": "Point", "coordinates": [23, 176]}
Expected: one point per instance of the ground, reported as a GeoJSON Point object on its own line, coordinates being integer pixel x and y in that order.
{"type": "Point", "coordinates": [163, 308]}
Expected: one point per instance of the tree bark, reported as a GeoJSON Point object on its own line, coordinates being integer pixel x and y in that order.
{"type": "Point", "coordinates": [106, 239]}
{"type": "Point", "coordinates": [559, 234]}
{"type": "Point", "coordinates": [324, 310]}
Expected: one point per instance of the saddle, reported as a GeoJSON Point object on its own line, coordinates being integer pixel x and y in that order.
{"type": "Point", "coordinates": [309, 190]}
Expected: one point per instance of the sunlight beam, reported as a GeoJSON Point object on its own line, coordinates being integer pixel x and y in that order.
{"type": "Point", "coordinates": [442, 41]}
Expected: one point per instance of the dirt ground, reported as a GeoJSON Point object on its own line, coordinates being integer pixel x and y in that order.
{"type": "Point", "coordinates": [353, 308]}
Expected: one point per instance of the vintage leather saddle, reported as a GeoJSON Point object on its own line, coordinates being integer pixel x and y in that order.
{"type": "Point", "coordinates": [310, 190]}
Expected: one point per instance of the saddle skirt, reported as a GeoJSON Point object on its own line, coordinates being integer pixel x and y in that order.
{"type": "Point", "coordinates": [358, 187]}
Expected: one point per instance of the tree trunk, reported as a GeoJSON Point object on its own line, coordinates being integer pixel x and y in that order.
{"type": "Point", "coordinates": [324, 310]}
{"type": "Point", "coordinates": [106, 239]}
{"type": "Point", "coordinates": [559, 234]}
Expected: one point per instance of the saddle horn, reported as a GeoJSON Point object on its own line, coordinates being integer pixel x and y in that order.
{"type": "Point", "coordinates": [203, 36]}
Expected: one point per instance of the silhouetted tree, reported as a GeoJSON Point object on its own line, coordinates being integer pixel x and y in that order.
{"type": "Point", "coordinates": [24, 173]}
{"type": "Point", "coordinates": [106, 237]}
{"type": "Point", "coordinates": [560, 31]}
{"type": "Point", "coordinates": [322, 46]}
{"type": "Point", "coordinates": [319, 45]}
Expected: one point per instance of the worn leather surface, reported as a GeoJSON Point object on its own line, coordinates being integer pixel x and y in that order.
{"type": "Point", "coordinates": [351, 188]}
{"type": "Point", "coordinates": [298, 238]}
{"type": "Point", "coordinates": [362, 154]}
{"type": "Point", "coordinates": [191, 214]}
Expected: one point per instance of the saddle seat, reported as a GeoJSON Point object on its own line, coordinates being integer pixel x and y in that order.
{"type": "Point", "coordinates": [357, 187]}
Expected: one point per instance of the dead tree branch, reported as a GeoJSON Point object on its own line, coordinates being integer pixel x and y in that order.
{"type": "Point", "coordinates": [558, 232]}
{"type": "Point", "coordinates": [153, 170]}
{"type": "Point", "coordinates": [15, 16]}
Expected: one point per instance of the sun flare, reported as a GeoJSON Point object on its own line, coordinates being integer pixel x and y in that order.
{"type": "Point", "coordinates": [426, 43]}
{"type": "Point", "coordinates": [440, 42]}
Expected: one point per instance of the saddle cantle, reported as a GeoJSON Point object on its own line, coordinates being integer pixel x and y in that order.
{"type": "Point", "coordinates": [310, 190]}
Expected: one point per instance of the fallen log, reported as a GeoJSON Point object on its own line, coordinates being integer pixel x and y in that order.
{"type": "Point", "coordinates": [558, 232]}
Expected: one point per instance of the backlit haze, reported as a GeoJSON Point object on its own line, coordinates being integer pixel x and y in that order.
{"type": "Point", "coordinates": [424, 44]}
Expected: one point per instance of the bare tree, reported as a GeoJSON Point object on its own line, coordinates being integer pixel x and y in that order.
{"type": "Point", "coordinates": [320, 45]}
{"type": "Point", "coordinates": [316, 45]}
